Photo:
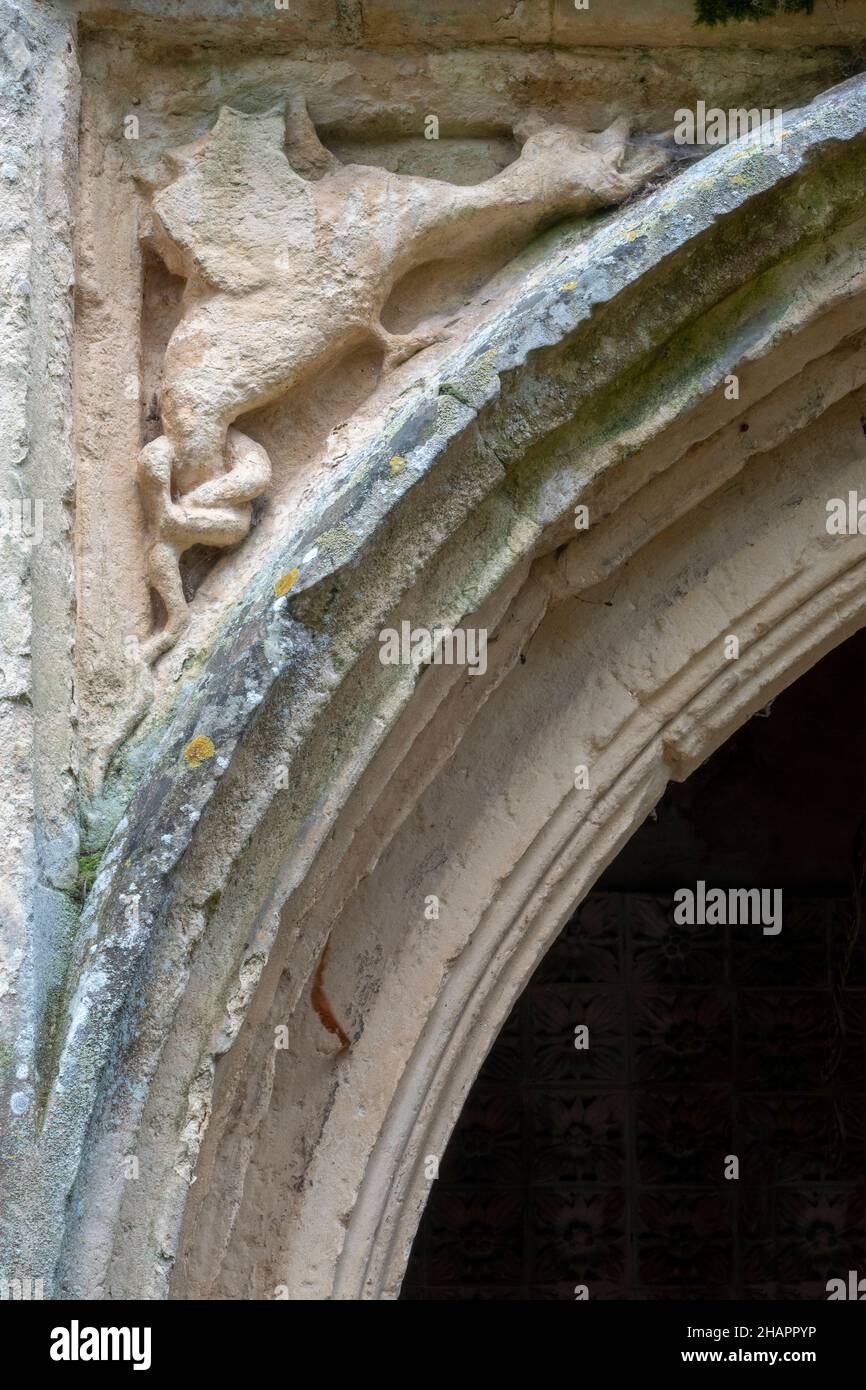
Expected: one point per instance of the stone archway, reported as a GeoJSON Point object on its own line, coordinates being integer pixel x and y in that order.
{"type": "Point", "coordinates": [607, 649]}
{"type": "Point", "coordinates": [691, 370]}
{"type": "Point", "coordinates": [592, 1154]}
{"type": "Point", "coordinates": [443, 989]}
{"type": "Point", "coordinates": [751, 558]}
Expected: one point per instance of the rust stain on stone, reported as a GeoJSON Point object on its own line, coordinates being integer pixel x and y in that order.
{"type": "Point", "coordinates": [322, 1005]}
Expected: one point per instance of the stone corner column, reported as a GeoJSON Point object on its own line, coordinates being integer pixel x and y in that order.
{"type": "Point", "coordinates": [38, 804]}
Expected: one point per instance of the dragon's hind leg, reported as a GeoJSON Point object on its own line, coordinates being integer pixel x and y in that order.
{"type": "Point", "coordinates": [217, 512]}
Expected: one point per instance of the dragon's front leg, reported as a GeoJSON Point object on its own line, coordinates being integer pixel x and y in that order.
{"type": "Point", "coordinates": [399, 347]}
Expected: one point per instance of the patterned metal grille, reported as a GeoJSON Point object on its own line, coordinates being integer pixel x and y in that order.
{"type": "Point", "coordinates": [605, 1167]}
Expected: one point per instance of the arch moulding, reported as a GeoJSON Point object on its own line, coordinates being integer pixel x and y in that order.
{"type": "Point", "coordinates": [606, 649]}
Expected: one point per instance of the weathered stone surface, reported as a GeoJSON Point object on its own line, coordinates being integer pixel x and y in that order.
{"type": "Point", "coordinates": [269, 837]}
{"type": "Point", "coordinates": [297, 655]}
{"type": "Point", "coordinates": [385, 23]}
{"type": "Point", "coordinates": [371, 100]}
{"type": "Point", "coordinates": [38, 807]}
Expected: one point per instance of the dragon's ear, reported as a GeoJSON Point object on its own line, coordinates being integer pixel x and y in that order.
{"type": "Point", "coordinates": [236, 203]}
{"type": "Point", "coordinates": [612, 143]}
{"type": "Point", "coordinates": [150, 178]}
{"type": "Point", "coordinates": [308, 155]}
{"type": "Point", "coordinates": [257, 128]}
{"type": "Point", "coordinates": [529, 124]}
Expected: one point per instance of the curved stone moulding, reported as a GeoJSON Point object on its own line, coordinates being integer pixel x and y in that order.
{"type": "Point", "coordinates": [602, 383]}
{"type": "Point", "coordinates": [696, 705]}
{"type": "Point", "coordinates": [538, 896]}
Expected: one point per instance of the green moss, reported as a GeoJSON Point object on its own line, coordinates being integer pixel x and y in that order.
{"type": "Point", "coordinates": [713, 12]}
{"type": "Point", "coordinates": [88, 868]}
{"type": "Point", "coordinates": [48, 1048]}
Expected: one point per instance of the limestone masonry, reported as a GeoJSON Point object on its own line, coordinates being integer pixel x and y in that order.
{"type": "Point", "coordinates": [352, 318]}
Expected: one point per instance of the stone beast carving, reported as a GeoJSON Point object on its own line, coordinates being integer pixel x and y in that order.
{"type": "Point", "coordinates": [286, 273]}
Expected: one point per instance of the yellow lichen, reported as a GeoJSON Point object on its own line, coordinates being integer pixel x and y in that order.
{"type": "Point", "coordinates": [286, 582]}
{"type": "Point", "coordinates": [570, 285]}
{"type": "Point", "coordinates": [398, 463]}
{"type": "Point", "coordinates": [199, 751]}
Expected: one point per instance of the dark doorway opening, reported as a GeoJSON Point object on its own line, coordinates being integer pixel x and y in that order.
{"type": "Point", "coordinates": [604, 1167]}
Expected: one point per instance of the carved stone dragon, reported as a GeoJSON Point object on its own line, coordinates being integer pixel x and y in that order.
{"type": "Point", "coordinates": [288, 266]}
